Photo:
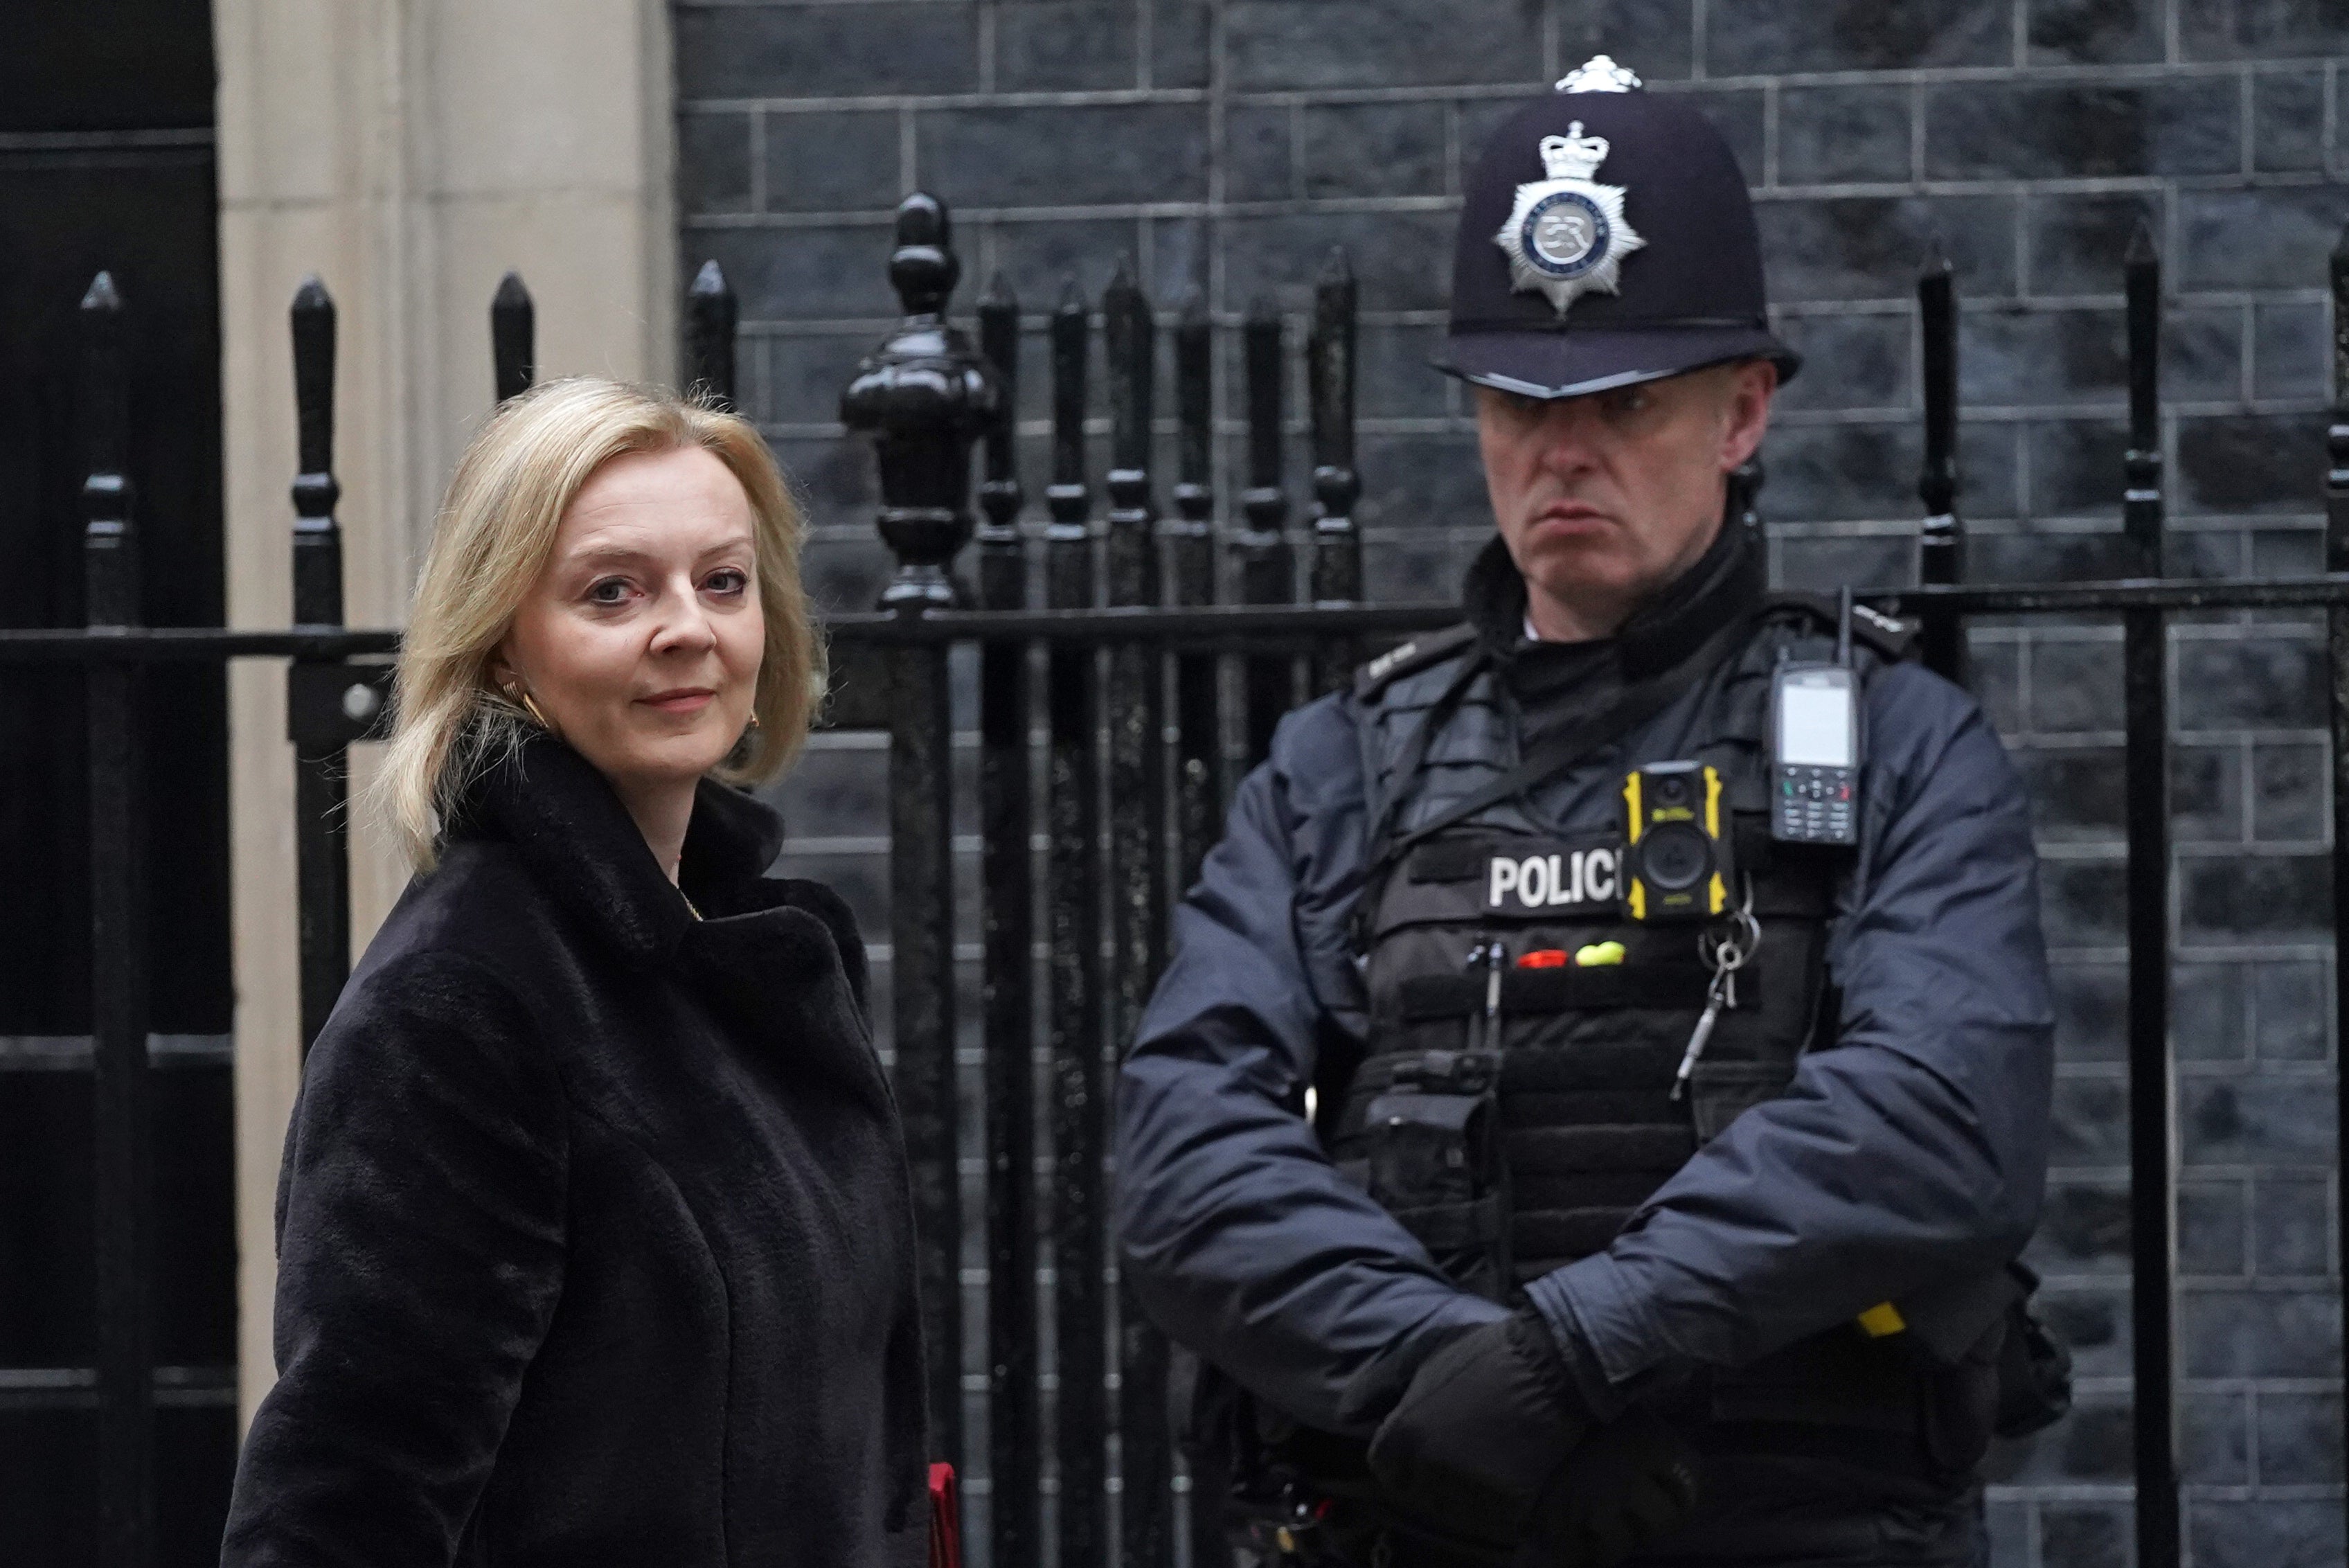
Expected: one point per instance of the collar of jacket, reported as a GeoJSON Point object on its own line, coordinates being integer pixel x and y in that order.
{"type": "Point", "coordinates": [1727, 581]}
{"type": "Point", "coordinates": [568, 823]}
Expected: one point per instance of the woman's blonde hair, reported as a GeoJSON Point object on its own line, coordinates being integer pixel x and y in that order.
{"type": "Point", "coordinates": [494, 534]}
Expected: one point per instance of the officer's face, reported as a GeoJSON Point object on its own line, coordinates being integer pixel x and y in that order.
{"type": "Point", "coordinates": [1604, 499]}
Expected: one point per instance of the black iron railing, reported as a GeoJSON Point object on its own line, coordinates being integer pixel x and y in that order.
{"type": "Point", "coordinates": [1118, 626]}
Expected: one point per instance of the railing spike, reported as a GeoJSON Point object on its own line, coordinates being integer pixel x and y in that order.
{"type": "Point", "coordinates": [513, 332]}
{"type": "Point", "coordinates": [318, 540]}
{"type": "Point", "coordinates": [711, 314]}
{"type": "Point", "coordinates": [2142, 505]}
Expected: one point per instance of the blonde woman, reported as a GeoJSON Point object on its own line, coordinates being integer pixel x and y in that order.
{"type": "Point", "coordinates": [594, 1238]}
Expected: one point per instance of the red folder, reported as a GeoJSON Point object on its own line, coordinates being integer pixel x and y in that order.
{"type": "Point", "coordinates": [946, 1519]}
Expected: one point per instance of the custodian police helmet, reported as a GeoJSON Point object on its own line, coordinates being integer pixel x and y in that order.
{"type": "Point", "coordinates": [1606, 239]}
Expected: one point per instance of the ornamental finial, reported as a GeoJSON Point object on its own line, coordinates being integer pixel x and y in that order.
{"type": "Point", "coordinates": [1599, 74]}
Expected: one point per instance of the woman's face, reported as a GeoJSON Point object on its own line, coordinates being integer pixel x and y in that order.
{"type": "Point", "coordinates": [641, 641]}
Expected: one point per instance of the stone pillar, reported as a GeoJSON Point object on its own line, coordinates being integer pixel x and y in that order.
{"type": "Point", "coordinates": [408, 153]}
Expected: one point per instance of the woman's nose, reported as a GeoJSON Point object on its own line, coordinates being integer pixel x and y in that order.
{"type": "Point", "coordinates": [684, 625]}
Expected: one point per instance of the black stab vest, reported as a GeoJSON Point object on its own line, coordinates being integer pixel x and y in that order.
{"type": "Point", "coordinates": [1515, 1127]}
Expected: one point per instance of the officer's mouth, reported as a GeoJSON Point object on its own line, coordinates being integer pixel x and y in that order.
{"type": "Point", "coordinates": [1569, 519]}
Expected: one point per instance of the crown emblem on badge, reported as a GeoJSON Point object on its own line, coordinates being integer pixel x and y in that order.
{"type": "Point", "coordinates": [1567, 236]}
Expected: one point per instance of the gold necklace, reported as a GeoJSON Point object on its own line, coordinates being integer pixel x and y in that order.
{"type": "Point", "coordinates": [689, 905]}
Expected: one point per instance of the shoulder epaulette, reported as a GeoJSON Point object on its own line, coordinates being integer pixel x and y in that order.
{"type": "Point", "coordinates": [1890, 638]}
{"type": "Point", "coordinates": [1420, 653]}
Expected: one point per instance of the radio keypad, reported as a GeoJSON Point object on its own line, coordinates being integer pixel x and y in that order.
{"type": "Point", "coordinates": [1814, 806]}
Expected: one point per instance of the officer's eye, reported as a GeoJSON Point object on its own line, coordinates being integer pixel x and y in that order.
{"type": "Point", "coordinates": [1625, 402]}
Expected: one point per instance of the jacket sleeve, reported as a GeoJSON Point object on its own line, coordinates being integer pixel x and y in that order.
{"type": "Point", "coordinates": [420, 1248]}
{"type": "Point", "coordinates": [1240, 1238]}
{"type": "Point", "coordinates": [1913, 1153]}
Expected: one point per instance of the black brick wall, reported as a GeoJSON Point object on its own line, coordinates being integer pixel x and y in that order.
{"type": "Point", "coordinates": [1226, 144]}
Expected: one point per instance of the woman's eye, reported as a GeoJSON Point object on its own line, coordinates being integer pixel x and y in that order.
{"type": "Point", "coordinates": [728, 580]}
{"type": "Point", "coordinates": [610, 591]}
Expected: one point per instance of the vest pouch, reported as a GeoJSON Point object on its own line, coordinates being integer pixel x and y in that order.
{"type": "Point", "coordinates": [1962, 1404]}
{"type": "Point", "coordinates": [1720, 1091]}
{"type": "Point", "coordinates": [2034, 1370]}
{"type": "Point", "coordinates": [1433, 1160]}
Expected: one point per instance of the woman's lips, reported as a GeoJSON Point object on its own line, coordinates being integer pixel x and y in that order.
{"type": "Point", "coordinates": [684, 700]}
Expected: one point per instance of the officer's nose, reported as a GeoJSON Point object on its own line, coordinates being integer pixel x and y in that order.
{"type": "Point", "coordinates": [1567, 436]}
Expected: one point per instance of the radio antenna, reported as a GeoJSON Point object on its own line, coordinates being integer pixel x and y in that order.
{"type": "Point", "coordinates": [1843, 626]}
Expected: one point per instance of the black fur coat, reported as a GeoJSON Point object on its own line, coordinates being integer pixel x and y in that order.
{"type": "Point", "coordinates": [594, 1238]}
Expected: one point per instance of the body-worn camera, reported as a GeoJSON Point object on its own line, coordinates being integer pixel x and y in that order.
{"type": "Point", "coordinates": [1676, 860]}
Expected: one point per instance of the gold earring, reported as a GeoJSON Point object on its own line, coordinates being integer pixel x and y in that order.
{"type": "Point", "coordinates": [534, 713]}
{"type": "Point", "coordinates": [755, 719]}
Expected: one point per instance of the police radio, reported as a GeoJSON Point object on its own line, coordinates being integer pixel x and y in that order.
{"type": "Point", "coordinates": [1815, 746]}
{"type": "Point", "coordinates": [1676, 857]}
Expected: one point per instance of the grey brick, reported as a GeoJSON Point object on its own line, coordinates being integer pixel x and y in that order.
{"type": "Point", "coordinates": [2282, 551]}
{"type": "Point", "coordinates": [1424, 564]}
{"type": "Point", "coordinates": [1653, 37]}
{"type": "Point", "coordinates": [1998, 683]}
{"type": "Point", "coordinates": [2076, 685]}
{"type": "Point", "coordinates": [2299, 1438]}
{"type": "Point", "coordinates": [2210, 1005]}
{"type": "Point", "coordinates": [2240, 1121]}
{"type": "Point", "coordinates": [2290, 356]}
{"type": "Point", "coordinates": [1179, 35]}
{"type": "Point", "coordinates": [2076, 466]}
{"type": "Point", "coordinates": [2201, 354]}
{"type": "Point", "coordinates": [713, 163]}
{"type": "Point", "coordinates": [1380, 43]}
{"type": "Point", "coordinates": [1061, 157]}
{"type": "Point", "coordinates": [2077, 242]}
{"type": "Point", "coordinates": [2094, 32]}
{"type": "Point", "coordinates": [2292, 1226]}
{"type": "Point", "coordinates": [2011, 1525]}
{"type": "Point", "coordinates": [1837, 133]}
{"type": "Point", "coordinates": [1047, 45]}
{"type": "Point", "coordinates": [1402, 261]}
{"type": "Point", "coordinates": [2291, 1008]}
{"type": "Point", "coordinates": [1989, 469]}
{"type": "Point", "coordinates": [826, 51]}
{"type": "Point", "coordinates": [2064, 557]}
{"type": "Point", "coordinates": [830, 793]}
{"type": "Point", "coordinates": [1373, 149]}
{"type": "Point", "coordinates": [2288, 121]}
{"type": "Point", "coordinates": [1392, 376]}
{"type": "Point", "coordinates": [2279, 237]}
{"type": "Point", "coordinates": [2251, 463]}
{"type": "Point", "coordinates": [2082, 902]}
{"type": "Point", "coordinates": [841, 576]}
{"type": "Point", "coordinates": [2086, 1226]}
{"type": "Point", "coordinates": [1759, 36]}
{"type": "Point", "coordinates": [2205, 794]}
{"type": "Point", "coordinates": [2288, 792]}
{"type": "Point", "coordinates": [1422, 482]}
{"type": "Point", "coordinates": [2214, 1439]}
{"type": "Point", "coordinates": [805, 376]}
{"type": "Point", "coordinates": [2084, 1535]}
{"type": "Point", "coordinates": [2091, 1012]}
{"type": "Point", "coordinates": [1177, 253]}
{"type": "Point", "coordinates": [1862, 563]}
{"type": "Point", "coordinates": [2094, 1447]}
{"type": "Point", "coordinates": [834, 479]}
{"type": "Point", "coordinates": [1870, 247]}
{"type": "Point", "coordinates": [1977, 131]}
{"type": "Point", "coordinates": [819, 272]}
{"type": "Point", "coordinates": [2268, 1533]}
{"type": "Point", "coordinates": [1822, 473]}
{"type": "Point", "coordinates": [2259, 1333]}
{"type": "Point", "coordinates": [2074, 795]}
{"type": "Point", "coordinates": [836, 161]}
{"type": "Point", "coordinates": [1038, 256]}
{"type": "Point", "coordinates": [2212, 1229]}
{"type": "Point", "coordinates": [1260, 158]}
{"type": "Point", "coordinates": [2257, 680]}
{"type": "Point", "coordinates": [2089, 1120]}
{"type": "Point", "coordinates": [2283, 895]}
{"type": "Point", "coordinates": [1850, 362]}
{"type": "Point", "coordinates": [2244, 29]}
{"type": "Point", "coordinates": [1737, 115]}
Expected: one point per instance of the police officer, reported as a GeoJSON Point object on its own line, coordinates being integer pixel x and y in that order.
{"type": "Point", "coordinates": [1507, 1216]}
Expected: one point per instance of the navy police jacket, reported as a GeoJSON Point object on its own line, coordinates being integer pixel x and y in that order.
{"type": "Point", "coordinates": [1913, 1151]}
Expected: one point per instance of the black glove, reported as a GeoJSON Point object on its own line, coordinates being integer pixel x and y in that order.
{"type": "Point", "coordinates": [1481, 1432]}
{"type": "Point", "coordinates": [1627, 1485]}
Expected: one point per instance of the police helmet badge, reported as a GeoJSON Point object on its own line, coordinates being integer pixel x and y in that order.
{"type": "Point", "coordinates": [1567, 236]}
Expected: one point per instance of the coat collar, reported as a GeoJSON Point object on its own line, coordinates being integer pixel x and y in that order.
{"type": "Point", "coordinates": [579, 842]}
{"type": "Point", "coordinates": [1727, 581]}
